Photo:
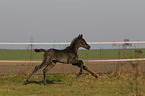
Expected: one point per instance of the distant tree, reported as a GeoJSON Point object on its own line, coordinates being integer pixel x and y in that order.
{"type": "Point", "coordinates": [126, 45]}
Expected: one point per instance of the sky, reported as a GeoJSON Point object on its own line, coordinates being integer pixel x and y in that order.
{"type": "Point", "coordinates": [63, 20]}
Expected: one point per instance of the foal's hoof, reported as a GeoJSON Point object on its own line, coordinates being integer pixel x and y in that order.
{"type": "Point", "coordinates": [79, 74]}
{"type": "Point", "coordinates": [26, 82]}
{"type": "Point", "coordinates": [96, 77]}
{"type": "Point", "coordinates": [45, 84]}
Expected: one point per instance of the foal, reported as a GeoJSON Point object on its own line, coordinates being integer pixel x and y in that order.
{"type": "Point", "coordinates": [68, 56]}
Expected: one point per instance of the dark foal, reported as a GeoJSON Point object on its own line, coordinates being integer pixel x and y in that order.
{"type": "Point", "coordinates": [68, 56]}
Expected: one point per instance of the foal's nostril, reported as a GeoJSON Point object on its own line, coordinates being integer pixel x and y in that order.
{"type": "Point", "coordinates": [88, 47]}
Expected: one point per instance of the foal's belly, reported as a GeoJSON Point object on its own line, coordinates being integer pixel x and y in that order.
{"type": "Point", "coordinates": [63, 57]}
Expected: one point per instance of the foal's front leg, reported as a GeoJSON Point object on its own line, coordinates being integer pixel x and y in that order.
{"type": "Point", "coordinates": [80, 64]}
{"type": "Point", "coordinates": [92, 73]}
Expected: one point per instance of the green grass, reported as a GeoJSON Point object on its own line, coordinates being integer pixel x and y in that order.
{"type": "Point", "coordinates": [109, 53]}
{"type": "Point", "coordinates": [6, 54]}
{"type": "Point", "coordinates": [69, 85]}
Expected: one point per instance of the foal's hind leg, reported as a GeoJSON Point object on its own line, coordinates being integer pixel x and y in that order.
{"type": "Point", "coordinates": [33, 73]}
{"type": "Point", "coordinates": [36, 69]}
{"type": "Point", "coordinates": [47, 68]}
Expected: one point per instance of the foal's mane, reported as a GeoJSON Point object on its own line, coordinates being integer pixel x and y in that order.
{"type": "Point", "coordinates": [72, 43]}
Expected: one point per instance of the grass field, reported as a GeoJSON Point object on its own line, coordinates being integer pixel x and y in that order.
{"type": "Point", "coordinates": [6, 54]}
{"type": "Point", "coordinates": [69, 85]}
{"type": "Point", "coordinates": [129, 84]}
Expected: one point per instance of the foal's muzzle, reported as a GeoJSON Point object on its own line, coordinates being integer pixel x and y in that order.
{"type": "Point", "coordinates": [88, 48]}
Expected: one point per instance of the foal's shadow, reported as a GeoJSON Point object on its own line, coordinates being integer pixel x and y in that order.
{"type": "Point", "coordinates": [48, 82]}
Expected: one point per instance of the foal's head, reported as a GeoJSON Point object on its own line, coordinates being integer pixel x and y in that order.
{"type": "Point", "coordinates": [82, 42]}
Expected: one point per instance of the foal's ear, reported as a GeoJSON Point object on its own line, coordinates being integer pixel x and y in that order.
{"type": "Point", "coordinates": [80, 36]}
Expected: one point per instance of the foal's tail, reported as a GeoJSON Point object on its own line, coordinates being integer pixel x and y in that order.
{"type": "Point", "coordinates": [40, 50]}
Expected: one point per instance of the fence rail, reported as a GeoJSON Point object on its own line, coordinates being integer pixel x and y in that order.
{"type": "Point", "coordinates": [62, 43]}
{"type": "Point", "coordinates": [110, 60]}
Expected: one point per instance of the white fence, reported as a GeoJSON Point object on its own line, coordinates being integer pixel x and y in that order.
{"type": "Point", "coordinates": [63, 43]}
{"type": "Point", "coordinates": [112, 60]}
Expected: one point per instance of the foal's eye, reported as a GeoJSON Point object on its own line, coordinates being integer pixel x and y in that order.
{"type": "Point", "coordinates": [82, 42]}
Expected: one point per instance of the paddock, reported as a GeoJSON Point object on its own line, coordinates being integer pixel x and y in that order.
{"type": "Point", "coordinates": [17, 64]}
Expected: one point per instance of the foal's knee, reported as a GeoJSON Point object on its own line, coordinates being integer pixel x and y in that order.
{"type": "Point", "coordinates": [37, 67]}
{"type": "Point", "coordinates": [81, 62]}
{"type": "Point", "coordinates": [44, 70]}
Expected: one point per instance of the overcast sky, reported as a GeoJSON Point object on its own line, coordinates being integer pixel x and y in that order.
{"type": "Point", "coordinates": [62, 20]}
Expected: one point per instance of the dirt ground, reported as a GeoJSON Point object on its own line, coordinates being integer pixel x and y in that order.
{"type": "Point", "coordinates": [98, 67]}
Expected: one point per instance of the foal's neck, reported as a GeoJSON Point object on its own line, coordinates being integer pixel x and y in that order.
{"type": "Point", "coordinates": [75, 47]}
